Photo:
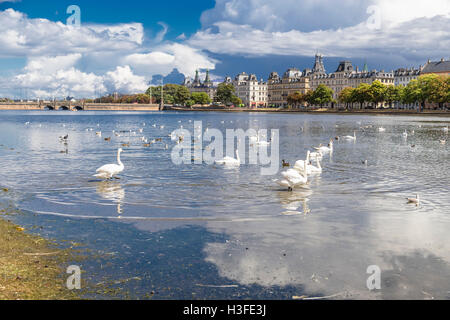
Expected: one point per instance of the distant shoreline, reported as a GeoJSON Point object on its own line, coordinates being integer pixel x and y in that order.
{"type": "Point", "coordinates": [347, 112]}
{"type": "Point", "coordinates": [261, 110]}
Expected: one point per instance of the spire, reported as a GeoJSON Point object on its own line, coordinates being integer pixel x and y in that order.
{"type": "Point", "coordinates": [318, 64]}
{"type": "Point", "coordinates": [196, 79]}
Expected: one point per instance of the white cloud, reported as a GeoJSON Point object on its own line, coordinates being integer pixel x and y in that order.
{"type": "Point", "coordinates": [92, 59]}
{"type": "Point", "coordinates": [123, 80]}
{"type": "Point", "coordinates": [170, 56]}
{"type": "Point", "coordinates": [21, 36]}
{"type": "Point", "coordinates": [408, 29]}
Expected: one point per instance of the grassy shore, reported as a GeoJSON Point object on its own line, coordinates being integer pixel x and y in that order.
{"type": "Point", "coordinates": [30, 266]}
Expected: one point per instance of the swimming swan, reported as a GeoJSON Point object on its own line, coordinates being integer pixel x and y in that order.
{"type": "Point", "coordinates": [229, 161]}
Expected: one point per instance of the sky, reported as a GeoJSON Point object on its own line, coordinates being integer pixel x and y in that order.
{"type": "Point", "coordinates": [124, 46]}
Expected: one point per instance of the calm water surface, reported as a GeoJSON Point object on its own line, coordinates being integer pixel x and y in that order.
{"type": "Point", "coordinates": [184, 231]}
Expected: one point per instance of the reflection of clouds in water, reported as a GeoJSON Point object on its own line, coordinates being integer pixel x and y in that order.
{"type": "Point", "coordinates": [113, 191]}
{"type": "Point", "coordinates": [329, 252]}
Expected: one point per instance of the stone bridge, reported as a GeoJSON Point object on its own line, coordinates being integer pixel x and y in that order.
{"type": "Point", "coordinates": [77, 106]}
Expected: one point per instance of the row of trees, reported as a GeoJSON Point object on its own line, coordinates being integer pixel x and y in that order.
{"type": "Point", "coordinates": [321, 96]}
{"type": "Point", "coordinates": [426, 89]}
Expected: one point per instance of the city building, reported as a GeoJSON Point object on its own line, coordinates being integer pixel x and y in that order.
{"type": "Point", "coordinates": [441, 67]}
{"type": "Point", "coordinates": [196, 85]}
{"type": "Point", "coordinates": [252, 92]}
{"type": "Point", "coordinates": [404, 76]}
{"type": "Point", "coordinates": [280, 88]}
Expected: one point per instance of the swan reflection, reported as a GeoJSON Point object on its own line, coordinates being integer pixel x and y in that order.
{"type": "Point", "coordinates": [113, 191]}
{"type": "Point", "coordinates": [295, 202]}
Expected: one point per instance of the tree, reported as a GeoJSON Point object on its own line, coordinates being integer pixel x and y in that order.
{"type": "Point", "coordinates": [377, 93]}
{"type": "Point", "coordinates": [173, 94]}
{"type": "Point", "coordinates": [425, 89]}
{"type": "Point", "coordinates": [225, 93]}
{"type": "Point", "coordinates": [321, 95]}
{"type": "Point", "coordinates": [361, 94]}
{"type": "Point", "coordinates": [200, 98]}
{"type": "Point", "coordinates": [295, 98]}
{"type": "Point", "coordinates": [346, 96]}
{"type": "Point", "coordinates": [393, 94]}
{"type": "Point", "coordinates": [237, 101]}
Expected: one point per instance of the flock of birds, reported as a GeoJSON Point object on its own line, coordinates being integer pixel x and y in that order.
{"type": "Point", "coordinates": [295, 177]}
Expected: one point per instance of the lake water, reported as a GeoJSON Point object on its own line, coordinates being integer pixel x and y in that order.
{"type": "Point", "coordinates": [208, 232]}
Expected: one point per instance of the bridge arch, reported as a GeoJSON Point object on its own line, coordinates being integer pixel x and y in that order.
{"type": "Point", "coordinates": [49, 107]}
{"type": "Point", "coordinates": [65, 108]}
{"type": "Point", "coordinates": [78, 108]}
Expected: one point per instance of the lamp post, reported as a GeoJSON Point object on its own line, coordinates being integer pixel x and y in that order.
{"type": "Point", "coordinates": [161, 108]}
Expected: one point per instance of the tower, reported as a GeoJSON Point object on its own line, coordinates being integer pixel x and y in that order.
{"type": "Point", "coordinates": [196, 79]}
{"type": "Point", "coordinates": [318, 64]}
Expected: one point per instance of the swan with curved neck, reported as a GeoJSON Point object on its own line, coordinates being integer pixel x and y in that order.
{"type": "Point", "coordinates": [293, 178]}
{"type": "Point", "coordinates": [229, 161]}
{"type": "Point", "coordinates": [108, 171]}
{"type": "Point", "coordinates": [323, 149]}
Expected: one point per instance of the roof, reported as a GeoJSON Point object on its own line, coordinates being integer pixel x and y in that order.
{"type": "Point", "coordinates": [436, 67]}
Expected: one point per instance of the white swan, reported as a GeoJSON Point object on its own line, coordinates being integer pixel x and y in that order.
{"type": "Point", "coordinates": [415, 200]}
{"type": "Point", "coordinates": [314, 169]}
{"type": "Point", "coordinates": [293, 178]}
{"type": "Point", "coordinates": [324, 150]}
{"type": "Point", "coordinates": [229, 161]}
{"type": "Point", "coordinates": [110, 170]}
{"type": "Point", "coordinates": [350, 138]}
{"type": "Point", "coordinates": [405, 134]}
{"type": "Point", "coordinates": [381, 129]}
{"type": "Point", "coordinates": [300, 164]}
{"type": "Point", "coordinates": [445, 129]}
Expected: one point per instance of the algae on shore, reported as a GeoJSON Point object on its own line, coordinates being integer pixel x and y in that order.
{"type": "Point", "coordinates": [31, 267]}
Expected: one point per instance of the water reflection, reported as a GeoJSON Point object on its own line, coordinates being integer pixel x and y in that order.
{"type": "Point", "coordinates": [360, 216]}
{"type": "Point", "coordinates": [295, 202]}
{"type": "Point", "coordinates": [112, 191]}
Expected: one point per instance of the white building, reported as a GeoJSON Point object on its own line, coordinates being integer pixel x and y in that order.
{"type": "Point", "coordinates": [405, 76]}
{"type": "Point", "coordinates": [252, 92]}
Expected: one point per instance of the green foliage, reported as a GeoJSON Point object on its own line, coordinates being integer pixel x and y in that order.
{"type": "Point", "coordinates": [321, 95]}
{"type": "Point", "coordinates": [173, 94]}
{"type": "Point", "coordinates": [225, 93]}
{"type": "Point", "coordinates": [296, 98]}
{"type": "Point", "coordinates": [200, 98]}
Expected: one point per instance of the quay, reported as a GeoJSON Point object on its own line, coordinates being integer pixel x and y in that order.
{"type": "Point", "coordinates": [78, 106]}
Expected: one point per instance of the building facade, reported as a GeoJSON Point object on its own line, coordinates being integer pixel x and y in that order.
{"type": "Point", "coordinates": [279, 88]}
{"type": "Point", "coordinates": [402, 76]}
{"type": "Point", "coordinates": [196, 85]}
{"type": "Point", "coordinates": [252, 92]}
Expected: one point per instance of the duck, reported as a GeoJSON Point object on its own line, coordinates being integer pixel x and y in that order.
{"type": "Point", "coordinates": [285, 164]}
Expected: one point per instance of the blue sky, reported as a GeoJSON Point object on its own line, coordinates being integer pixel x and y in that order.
{"type": "Point", "coordinates": [121, 46]}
